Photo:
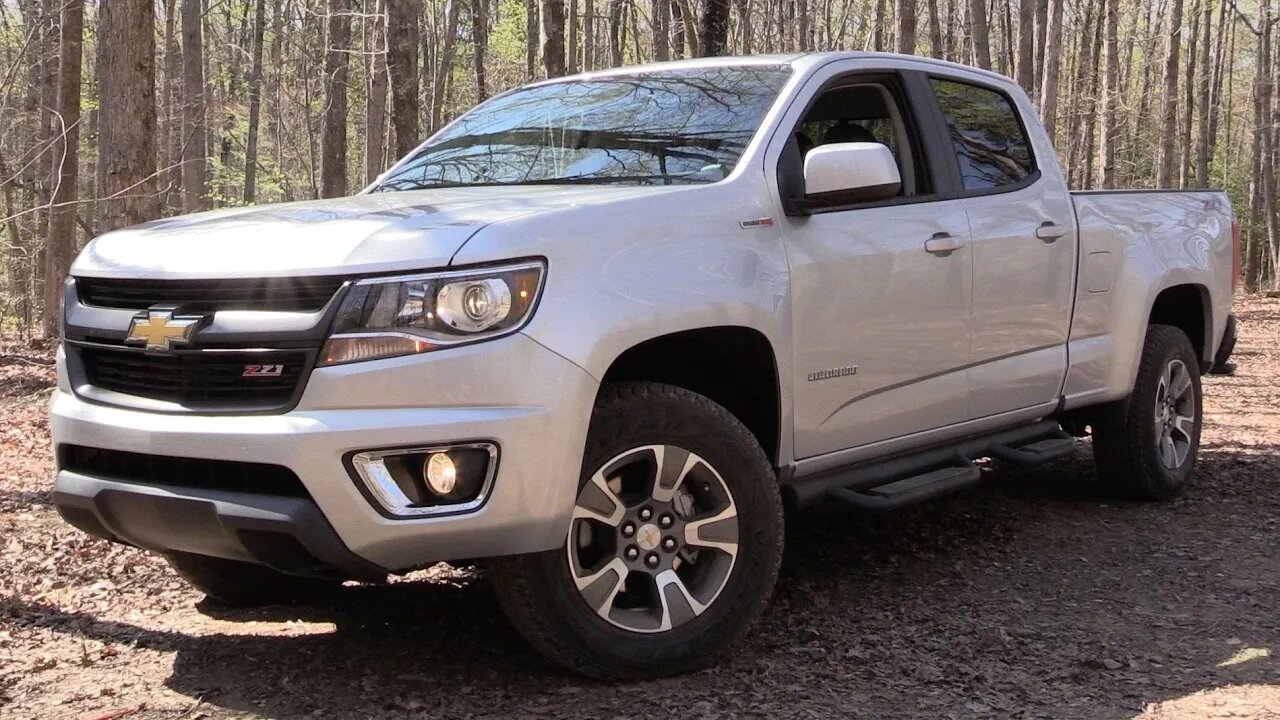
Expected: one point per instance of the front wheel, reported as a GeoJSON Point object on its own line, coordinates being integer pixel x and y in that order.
{"type": "Point", "coordinates": [1145, 446]}
{"type": "Point", "coordinates": [673, 547]}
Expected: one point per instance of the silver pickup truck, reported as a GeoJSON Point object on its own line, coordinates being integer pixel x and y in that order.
{"type": "Point", "coordinates": [596, 333]}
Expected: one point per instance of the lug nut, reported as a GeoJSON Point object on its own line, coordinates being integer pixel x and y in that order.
{"type": "Point", "coordinates": [666, 520]}
{"type": "Point", "coordinates": [651, 560]}
{"type": "Point", "coordinates": [632, 552]}
{"type": "Point", "coordinates": [628, 529]}
{"type": "Point", "coordinates": [645, 513]}
{"type": "Point", "coordinates": [669, 544]}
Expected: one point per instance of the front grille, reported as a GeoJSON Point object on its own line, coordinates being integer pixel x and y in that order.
{"type": "Point", "coordinates": [196, 379]}
{"type": "Point", "coordinates": [202, 296]}
{"type": "Point", "coordinates": [181, 472]}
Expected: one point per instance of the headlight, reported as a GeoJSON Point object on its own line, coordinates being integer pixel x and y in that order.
{"type": "Point", "coordinates": [386, 317]}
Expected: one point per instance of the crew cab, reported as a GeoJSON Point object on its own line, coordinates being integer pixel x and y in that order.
{"type": "Point", "coordinates": [598, 331]}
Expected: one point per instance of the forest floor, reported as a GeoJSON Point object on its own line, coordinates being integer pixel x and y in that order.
{"type": "Point", "coordinates": [1032, 596]}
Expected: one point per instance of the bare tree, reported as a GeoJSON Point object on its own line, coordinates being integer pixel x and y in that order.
{"type": "Point", "coordinates": [402, 64]}
{"type": "Point", "coordinates": [479, 44]}
{"type": "Point", "coordinates": [333, 145]}
{"type": "Point", "coordinates": [1025, 65]}
{"type": "Point", "coordinates": [1203, 91]}
{"type": "Point", "coordinates": [61, 243]}
{"type": "Point", "coordinates": [1169, 120]}
{"type": "Point", "coordinates": [255, 104]}
{"type": "Point", "coordinates": [981, 33]}
{"type": "Point", "coordinates": [127, 122]}
{"type": "Point", "coordinates": [375, 114]}
{"type": "Point", "coordinates": [531, 38]}
{"type": "Point", "coordinates": [1052, 59]}
{"type": "Point", "coordinates": [904, 12]}
{"type": "Point", "coordinates": [713, 37]}
{"type": "Point", "coordinates": [1110, 96]}
{"type": "Point", "coordinates": [553, 37]}
{"type": "Point", "coordinates": [195, 135]}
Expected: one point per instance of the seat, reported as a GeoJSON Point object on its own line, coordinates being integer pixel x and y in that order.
{"type": "Point", "coordinates": [846, 131]}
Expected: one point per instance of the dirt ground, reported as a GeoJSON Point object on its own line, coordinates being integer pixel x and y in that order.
{"type": "Point", "coordinates": [1030, 597]}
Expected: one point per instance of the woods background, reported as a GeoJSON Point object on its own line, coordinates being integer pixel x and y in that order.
{"type": "Point", "coordinates": [120, 111]}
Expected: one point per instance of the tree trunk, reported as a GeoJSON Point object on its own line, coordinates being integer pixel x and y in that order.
{"type": "Point", "coordinates": [402, 65]}
{"type": "Point", "coordinates": [444, 65]}
{"type": "Point", "coordinates": [588, 33]}
{"type": "Point", "coordinates": [1189, 99]}
{"type": "Point", "coordinates": [1260, 184]}
{"type": "Point", "coordinates": [480, 43]}
{"type": "Point", "coordinates": [333, 143]}
{"type": "Point", "coordinates": [173, 106]}
{"type": "Point", "coordinates": [1026, 45]}
{"type": "Point", "coordinates": [1042, 21]}
{"type": "Point", "coordinates": [553, 37]}
{"type": "Point", "coordinates": [904, 12]}
{"type": "Point", "coordinates": [660, 12]}
{"type": "Point", "coordinates": [936, 47]}
{"type": "Point", "coordinates": [60, 246]}
{"type": "Point", "coordinates": [255, 105]}
{"type": "Point", "coordinates": [616, 30]}
{"type": "Point", "coordinates": [1110, 96]}
{"type": "Point", "coordinates": [127, 121]}
{"type": "Point", "coordinates": [981, 33]}
{"type": "Point", "coordinates": [1052, 60]}
{"type": "Point", "coordinates": [713, 37]}
{"type": "Point", "coordinates": [530, 39]}
{"type": "Point", "coordinates": [878, 25]}
{"type": "Point", "coordinates": [195, 130]}
{"type": "Point", "coordinates": [375, 111]}
{"type": "Point", "coordinates": [1169, 121]}
{"type": "Point", "coordinates": [1203, 90]}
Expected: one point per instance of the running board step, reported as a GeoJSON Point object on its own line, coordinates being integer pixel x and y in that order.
{"type": "Point", "coordinates": [1041, 450]}
{"type": "Point", "coordinates": [910, 490]}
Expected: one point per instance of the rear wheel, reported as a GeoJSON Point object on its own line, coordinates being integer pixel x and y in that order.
{"type": "Point", "coordinates": [246, 584]}
{"type": "Point", "coordinates": [1146, 446]}
{"type": "Point", "coordinates": [673, 547]}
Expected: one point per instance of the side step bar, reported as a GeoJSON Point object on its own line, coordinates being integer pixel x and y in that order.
{"type": "Point", "coordinates": [909, 479]}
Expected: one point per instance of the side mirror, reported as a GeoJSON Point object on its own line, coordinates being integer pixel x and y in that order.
{"type": "Point", "coordinates": [851, 172]}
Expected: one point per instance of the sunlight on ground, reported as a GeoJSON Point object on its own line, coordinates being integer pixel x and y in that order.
{"type": "Point", "coordinates": [1236, 701]}
{"type": "Point", "coordinates": [1244, 655]}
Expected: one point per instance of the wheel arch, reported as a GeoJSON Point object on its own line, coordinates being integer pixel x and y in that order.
{"type": "Point", "coordinates": [1187, 307]}
{"type": "Point", "coordinates": [733, 365]}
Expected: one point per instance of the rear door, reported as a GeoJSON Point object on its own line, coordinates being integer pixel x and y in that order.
{"type": "Point", "coordinates": [1023, 246]}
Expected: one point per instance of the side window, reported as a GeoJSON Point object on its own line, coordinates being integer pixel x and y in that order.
{"type": "Point", "coordinates": [990, 144]}
{"type": "Point", "coordinates": [862, 112]}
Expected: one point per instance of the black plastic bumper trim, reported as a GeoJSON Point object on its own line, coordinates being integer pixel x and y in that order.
{"type": "Point", "coordinates": [285, 533]}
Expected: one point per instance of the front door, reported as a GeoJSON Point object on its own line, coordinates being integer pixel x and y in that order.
{"type": "Point", "coordinates": [881, 292]}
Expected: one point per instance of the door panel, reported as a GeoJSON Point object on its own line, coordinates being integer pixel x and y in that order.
{"type": "Point", "coordinates": [867, 294]}
{"type": "Point", "coordinates": [1022, 295]}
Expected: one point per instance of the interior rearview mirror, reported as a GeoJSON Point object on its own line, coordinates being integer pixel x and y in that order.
{"type": "Point", "coordinates": [851, 172]}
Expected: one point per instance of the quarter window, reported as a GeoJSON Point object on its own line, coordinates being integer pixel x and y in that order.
{"type": "Point", "coordinates": [990, 144]}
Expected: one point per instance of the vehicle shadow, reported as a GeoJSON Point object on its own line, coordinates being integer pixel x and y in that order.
{"type": "Point", "coordinates": [1032, 595]}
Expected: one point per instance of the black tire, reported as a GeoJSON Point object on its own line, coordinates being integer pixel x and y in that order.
{"type": "Point", "coordinates": [538, 592]}
{"type": "Point", "coordinates": [247, 584]}
{"type": "Point", "coordinates": [1127, 434]}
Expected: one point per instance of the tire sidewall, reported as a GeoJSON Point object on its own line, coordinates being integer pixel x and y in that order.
{"type": "Point", "coordinates": [1162, 481]}
{"type": "Point", "coordinates": [669, 418]}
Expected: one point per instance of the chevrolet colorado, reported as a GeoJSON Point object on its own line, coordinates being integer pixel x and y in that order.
{"type": "Point", "coordinates": [596, 333]}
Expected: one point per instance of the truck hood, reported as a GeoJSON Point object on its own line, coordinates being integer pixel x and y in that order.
{"type": "Point", "coordinates": [361, 234]}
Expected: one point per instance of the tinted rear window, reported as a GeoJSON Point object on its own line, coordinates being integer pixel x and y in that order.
{"type": "Point", "coordinates": [990, 144]}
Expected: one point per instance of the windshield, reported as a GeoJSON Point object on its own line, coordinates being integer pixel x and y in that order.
{"type": "Point", "coordinates": [661, 128]}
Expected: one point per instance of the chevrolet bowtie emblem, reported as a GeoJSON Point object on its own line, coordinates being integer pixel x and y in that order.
{"type": "Point", "coordinates": [160, 330]}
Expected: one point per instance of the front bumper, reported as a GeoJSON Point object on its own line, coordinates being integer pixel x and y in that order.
{"type": "Point", "coordinates": [532, 403]}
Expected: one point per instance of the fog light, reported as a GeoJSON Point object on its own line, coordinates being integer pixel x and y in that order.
{"type": "Point", "coordinates": [441, 474]}
{"type": "Point", "coordinates": [423, 481]}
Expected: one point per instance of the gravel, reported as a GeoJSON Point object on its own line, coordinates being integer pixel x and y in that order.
{"type": "Point", "coordinates": [1033, 596]}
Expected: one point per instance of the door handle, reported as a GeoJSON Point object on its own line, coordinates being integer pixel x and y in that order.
{"type": "Point", "coordinates": [942, 244]}
{"type": "Point", "coordinates": [1050, 232]}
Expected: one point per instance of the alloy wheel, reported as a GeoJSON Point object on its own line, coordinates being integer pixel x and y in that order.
{"type": "Point", "coordinates": [654, 538]}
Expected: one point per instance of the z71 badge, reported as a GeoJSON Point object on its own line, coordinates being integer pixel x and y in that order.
{"type": "Point", "coordinates": [263, 370]}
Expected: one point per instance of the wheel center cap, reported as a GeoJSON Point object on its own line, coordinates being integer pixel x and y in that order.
{"type": "Point", "coordinates": [648, 537]}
